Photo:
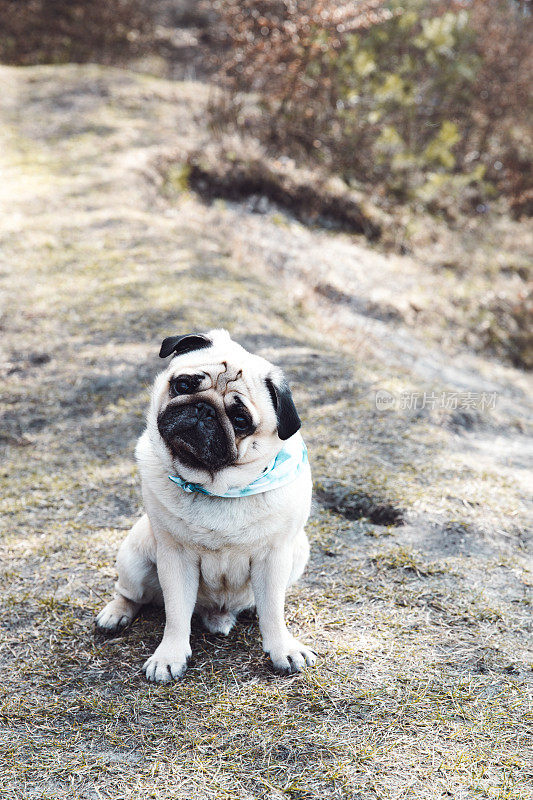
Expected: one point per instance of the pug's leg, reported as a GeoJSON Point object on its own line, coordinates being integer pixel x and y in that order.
{"type": "Point", "coordinates": [270, 577]}
{"type": "Point", "coordinates": [300, 556]}
{"type": "Point", "coordinates": [137, 578]}
{"type": "Point", "coordinates": [179, 573]}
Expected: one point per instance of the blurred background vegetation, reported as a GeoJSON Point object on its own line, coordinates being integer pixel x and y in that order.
{"type": "Point", "coordinates": [429, 99]}
{"type": "Point", "coordinates": [426, 98]}
{"type": "Point", "coordinates": [418, 105]}
{"type": "Point", "coordinates": [59, 31]}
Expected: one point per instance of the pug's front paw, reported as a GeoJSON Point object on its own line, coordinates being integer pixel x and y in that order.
{"type": "Point", "coordinates": [291, 656]}
{"type": "Point", "coordinates": [168, 662]}
{"type": "Point", "coordinates": [116, 615]}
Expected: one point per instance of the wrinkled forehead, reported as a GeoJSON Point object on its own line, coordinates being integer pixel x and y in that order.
{"type": "Point", "coordinates": [224, 370]}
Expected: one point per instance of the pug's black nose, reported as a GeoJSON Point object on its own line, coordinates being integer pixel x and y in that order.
{"type": "Point", "coordinates": [205, 411]}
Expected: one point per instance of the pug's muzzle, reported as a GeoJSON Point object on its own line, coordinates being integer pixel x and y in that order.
{"type": "Point", "coordinates": [195, 436]}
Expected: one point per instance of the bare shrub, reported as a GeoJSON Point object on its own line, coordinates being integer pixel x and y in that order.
{"type": "Point", "coordinates": [57, 31]}
{"type": "Point", "coordinates": [426, 99]}
{"type": "Point", "coordinates": [500, 125]}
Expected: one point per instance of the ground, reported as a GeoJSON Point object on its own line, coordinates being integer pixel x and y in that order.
{"type": "Point", "coordinates": [422, 688]}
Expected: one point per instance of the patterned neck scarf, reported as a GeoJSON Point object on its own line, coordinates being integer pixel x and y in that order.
{"type": "Point", "coordinates": [287, 465]}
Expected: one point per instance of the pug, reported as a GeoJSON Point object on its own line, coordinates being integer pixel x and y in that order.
{"type": "Point", "coordinates": [226, 486]}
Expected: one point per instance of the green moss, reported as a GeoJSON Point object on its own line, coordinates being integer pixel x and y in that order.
{"type": "Point", "coordinates": [401, 558]}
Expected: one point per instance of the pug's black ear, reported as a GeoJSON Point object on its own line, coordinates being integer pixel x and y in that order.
{"type": "Point", "coordinates": [287, 416]}
{"type": "Point", "coordinates": [183, 344]}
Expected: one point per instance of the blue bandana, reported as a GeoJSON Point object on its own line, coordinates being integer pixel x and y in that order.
{"type": "Point", "coordinates": [287, 465]}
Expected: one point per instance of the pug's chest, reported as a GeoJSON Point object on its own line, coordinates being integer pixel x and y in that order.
{"type": "Point", "coordinates": [215, 525]}
{"type": "Point", "coordinates": [224, 580]}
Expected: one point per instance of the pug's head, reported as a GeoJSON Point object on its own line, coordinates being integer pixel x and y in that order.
{"type": "Point", "coordinates": [221, 413]}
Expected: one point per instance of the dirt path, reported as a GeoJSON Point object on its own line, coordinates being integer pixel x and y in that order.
{"type": "Point", "coordinates": [422, 688]}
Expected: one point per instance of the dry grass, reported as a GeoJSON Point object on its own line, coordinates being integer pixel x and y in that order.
{"type": "Point", "coordinates": [476, 288]}
{"type": "Point", "coordinates": [422, 687]}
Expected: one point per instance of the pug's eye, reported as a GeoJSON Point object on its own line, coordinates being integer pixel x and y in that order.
{"type": "Point", "coordinates": [242, 423]}
{"type": "Point", "coordinates": [183, 384]}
